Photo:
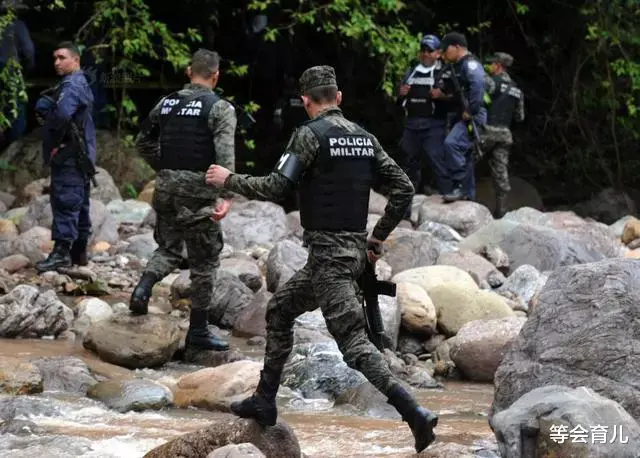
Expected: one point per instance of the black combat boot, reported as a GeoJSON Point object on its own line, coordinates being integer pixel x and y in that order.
{"type": "Point", "coordinates": [454, 195]}
{"type": "Point", "coordinates": [199, 335]}
{"type": "Point", "coordinates": [261, 405]}
{"type": "Point", "coordinates": [139, 302]}
{"type": "Point", "coordinates": [59, 257]}
{"type": "Point", "coordinates": [420, 420]}
{"type": "Point", "coordinates": [79, 253]}
{"type": "Point", "coordinates": [501, 205]}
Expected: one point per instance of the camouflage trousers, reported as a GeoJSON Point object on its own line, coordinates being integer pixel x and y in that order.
{"type": "Point", "coordinates": [328, 281]}
{"type": "Point", "coordinates": [186, 221]}
{"type": "Point", "coordinates": [497, 143]}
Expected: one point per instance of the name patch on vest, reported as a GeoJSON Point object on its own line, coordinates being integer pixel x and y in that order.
{"type": "Point", "coordinates": [192, 108]}
{"type": "Point", "coordinates": [510, 90]}
{"type": "Point", "coordinates": [295, 102]}
{"type": "Point", "coordinates": [350, 146]}
{"type": "Point", "coordinates": [424, 81]}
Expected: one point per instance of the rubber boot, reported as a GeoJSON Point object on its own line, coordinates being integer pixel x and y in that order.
{"type": "Point", "coordinates": [261, 405]}
{"type": "Point", "coordinates": [79, 253]}
{"type": "Point", "coordinates": [139, 302]}
{"type": "Point", "coordinates": [420, 420]}
{"type": "Point", "coordinates": [59, 257]}
{"type": "Point", "coordinates": [501, 205]}
{"type": "Point", "coordinates": [199, 335]}
{"type": "Point", "coordinates": [455, 195]}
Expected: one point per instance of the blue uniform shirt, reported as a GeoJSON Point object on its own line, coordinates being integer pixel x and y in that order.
{"type": "Point", "coordinates": [472, 80]}
{"type": "Point", "coordinates": [73, 101]}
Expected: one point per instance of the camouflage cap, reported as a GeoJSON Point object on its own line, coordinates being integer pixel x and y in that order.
{"type": "Point", "coordinates": [319, 76]}
{"type": "Point", "coordinates": [502, 58]}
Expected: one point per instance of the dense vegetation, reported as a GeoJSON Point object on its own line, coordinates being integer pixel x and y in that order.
{"type": "Point", "coordinates": [577, 61]}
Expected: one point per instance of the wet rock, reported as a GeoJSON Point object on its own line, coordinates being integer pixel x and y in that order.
{"type": "Point", "coordinates": [230, 298]}
{"type": "Point", "coordinates": [254, 223]}
{"type": "Point", "coordinates": [607, 206]}
{"type": "Point", "coordinates": [19, 377]}
{"type": "Point", "coordinates": [106, 191]}
{"type": "Point", "coordinates": [215, 388]}
{"type": "Point", "coordinates": [91, 311]}
{"type": "Point", "coordinates": [129, 211]}
{"type": "Point", "coordinates": [366, 400]}
{"type": "Point", "coordinates": [246, 450]}
{"type": "Point", "coordinates": [135, 341]}
{"type": "Point", "coordinates": [465, 217]}
{"type": "Point", "coordinates": [457, 305]}
{"type": "Point", "coordinates": [14, 263]}
{"type": "Point", "coordinates": [252, 322]}
{"type": "Point", "coordinates": [497, 257]}
{"type": "Point", "coordinates": [407, 249]}
{"type": "Point", "coordinates": [285, 258]}
{"type": "Point", "coordinates": [474, 264]}
{"type": "Point", "coordinates": [136, 394]}
{"type": "Point", "coordinates": [8, 234]}
{"type": "Point", "coordinates": [480, 345]}
{"type": "Point", "coordinates": [142, 245]}
{"type": "Point", "coordinates": [244, 268]}
{"type": "Point", "coordinates": [526, 427]}
{"type": "Point", "coordinates": [294, 225]}
{"type": "Point", "coordinates": [25, 312]}
{"type": "Point", "coordinates": [431, 276]}
{"type": "Point", "coordinates": [578, 334]}
{"type": "Point", "coordinates": [33, 243]}
{"type": "Point", "coordinates": [318, 371]}
{"type": "Point", "coordinates": [211, 358]}
{"type": "Point", "coordinates": [524, 283]}
{"type": "Point", "coordinates": [410, 344]}
{"type": "Point", "coordinates": [65, 374]}
{"type": "Point", "coordinates": [278, 440]}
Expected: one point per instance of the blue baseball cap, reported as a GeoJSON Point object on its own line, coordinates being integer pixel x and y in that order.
{"type": "Point", "coordinates": [430, 41]}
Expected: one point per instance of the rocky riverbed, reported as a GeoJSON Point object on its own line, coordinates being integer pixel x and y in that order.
{"type": "Point", "coordinates": [495, 323]}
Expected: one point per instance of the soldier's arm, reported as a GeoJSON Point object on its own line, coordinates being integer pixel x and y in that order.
{"type": "Point", "coordinates": [223, 122]}
{"type": "Point", "coordinates": [147, 140]}
{"type": "Point", "coordinates": [519, 113]}
{"type": "Point", "coordinates": [399, 189]}
{"type": "Point", "coordinates": [303, 146]}
{"type": "Point", "coordinates": [489, 84]}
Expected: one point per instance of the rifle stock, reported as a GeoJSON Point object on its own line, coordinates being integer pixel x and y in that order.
{"type": "Point", "coordinates": [371, 288]}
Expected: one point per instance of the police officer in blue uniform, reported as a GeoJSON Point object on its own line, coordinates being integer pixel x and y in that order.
{"type": "Point", "coordinates": [426, 117]}
{"type": "Point", "coordinates": [69, 148]}
{"type": "Point", "coordinates": [458, 143]}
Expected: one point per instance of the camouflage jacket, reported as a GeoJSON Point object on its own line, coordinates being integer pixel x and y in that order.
{"type": "Point", "coordinates": [305, 145]}
{"type": "Point", "coordinates": [222, 122]}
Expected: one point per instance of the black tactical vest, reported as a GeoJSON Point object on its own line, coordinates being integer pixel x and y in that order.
{"type": "Point", "coordinates": [334, 193]}
{"type": "Point", "coordinates": [419, 103]}
{"type": "Point", "coordinates": [503, 102]}
{"type": "Point", "coordinates": [186, 141]}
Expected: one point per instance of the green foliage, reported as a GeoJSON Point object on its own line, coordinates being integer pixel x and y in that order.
{"type": "Point", "coordinates": [12, 88]}
{"type": "Point", "coordinates": [130, 36]}
{"type": "Point", "coordinates": [130, 191]}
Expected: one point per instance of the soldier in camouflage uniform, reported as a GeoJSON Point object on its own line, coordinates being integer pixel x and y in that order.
{"type": "Point", "coordinates": [506, 104]}
{"type": "Point", "coordinates": [185, 133]}
{"type": "Point", "coordinates": [334, 163]}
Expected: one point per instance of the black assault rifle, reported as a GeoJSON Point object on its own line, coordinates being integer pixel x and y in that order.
{"type": "Point", "coordinates": [473, 128]}
{"type": "Point", "coordinates": [371, 288]}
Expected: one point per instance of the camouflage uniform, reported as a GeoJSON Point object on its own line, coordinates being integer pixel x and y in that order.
{"type": "Point", "coordinates": [183, 203]}
{"type": "Point", "coordinates": [498, 138]}
{"type": "Point", "coordinates": [335, 262]}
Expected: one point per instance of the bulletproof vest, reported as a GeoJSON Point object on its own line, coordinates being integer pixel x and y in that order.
{"type": "Point", "coordinates": [419, 103]}
{"type": "Point", "coordinates": [503, 102]}
{"type": "Point", "coordinates": [334, 193]}
{"type": "Point", "coordinates": [186, 141]}
{"type": "Point", "coordinates": [293, 113]}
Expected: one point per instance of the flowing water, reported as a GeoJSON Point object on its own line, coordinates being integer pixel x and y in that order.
{"type": "Point", "coordinates": [69, 426]}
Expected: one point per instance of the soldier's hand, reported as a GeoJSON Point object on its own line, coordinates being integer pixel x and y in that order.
{"type": "Point", "coordinates": [217, 175]}
{"type": "Point", "coordinates": [221, 210]}
{"type": "Point", "coordinates": [436, 93]}
{"type": "Point", "coordinates": [374, 249]}
{"type": "Point", "coordinates": [466, 116]}
{"type": "Point", "coordinates": [404, 89]}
